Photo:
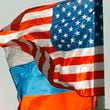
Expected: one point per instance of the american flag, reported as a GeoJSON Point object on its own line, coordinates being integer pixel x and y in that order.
{"type": "Point", "coordinates": [66, 40]}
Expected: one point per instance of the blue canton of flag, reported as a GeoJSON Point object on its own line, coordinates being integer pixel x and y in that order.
{"type": "Point", "coordinates": [77, 24]}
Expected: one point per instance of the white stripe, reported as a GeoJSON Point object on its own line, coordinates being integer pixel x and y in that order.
{"type": "Point", "coordinates": [16, 35]}
{"type": "Point", "coordinates": [15, 56]}
{"type": "Point", "coordinates": [77, 69]}
{"type": "Point", "coordinates": [30, 46]}
{"type": "Point", "coordinates": [38, 54]}
{"type": "Point", "coordinates": [39, 14]}
{"type": "Point", "coordinates": [8, 27]}
{"type": "Point", "coordinates": [43, 42]}
{"type": "Point", "coordinates": [87, 84]}
{"type": "Point", "coordinates": [77, 52]}
{"type": "Point", "coordinates": [46, 65]}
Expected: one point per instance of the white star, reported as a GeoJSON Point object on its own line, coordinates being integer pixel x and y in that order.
{"type": "Point", "coordinates": [72, 40]}
{"type": "Point", "coordinates": [77, 22]}
{"type": "Point", "coordinates": [66, 24]}
{"type": "Point", "coordinates": [62, 41]}
{"type": "Point", "coordinates": [79, 12]}
{"type": "Point", "coordinates": [68, 45]}
{"type": "Point", "coordinates": [55, 37]}
{"type": "Point", "coordinates": [77, 33]}
{"type": "Point", "coordinates": [85, 36]}
{"type": "Point", "coordinates": [73, 18]}
{"type": "Point", "coordinates": [71, 29]}
{"type": "Point", "coordinates": [60, 46]}
{"type": "Point", "coordinates": [90, 30]}
{"type": "Point", "coordinates": [57, 15]}
{"type": "Point", "coordinates": [94, 13]}
{"type": "Point", "coordinates": [60, 30]}
{"type": "Point", "coordinates": [88, 19]}
{"type": "Point", "coordinates": [56, 26]}
{"type": "Point", "coordinates": [63, 9]}
{"type": "Point", "coordinates": [82, 26]}
{"type": "Point", "coordinates": [63, 20]}
{"type": "Point", "coordinates": [79, 1]}
{"type": "Point", "coordinates": [91, 0]}
{"type": "Point", "coordinates": [65, 35]}
{"type": "Point", "coordinates": [93, 23]}
{"type": "Point", "coordinates": [69, 14]}
{"type": "Point", "coordinates": [80, 42]}
{"type": "Point", "coordinates": [86, 5]}
{"type": "Point", "coordinates": [68, 3]}
{"type": "Point", "coordinates": [91, 10]}
{"type": "Point", "coordinates": [91, 41]}
{"type": "Point", "coordinates": [58, 5]}
{"type": "Point", "coordinates": [74, 7]}
{"type": "Point", "coordinates": [84, 16]}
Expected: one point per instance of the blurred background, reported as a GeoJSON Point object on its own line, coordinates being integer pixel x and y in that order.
{"type": "Point", "coordinates": [8, 11]}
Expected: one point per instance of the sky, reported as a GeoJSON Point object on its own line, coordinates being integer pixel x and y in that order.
{"type": "Point", "coordinates": [106, 51]}
{"type": "Point", "coordinates": [9, 9]}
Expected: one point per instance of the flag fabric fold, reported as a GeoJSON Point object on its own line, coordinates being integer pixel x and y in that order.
{"type": "Point", "coordinates": [34, 90]}
{"type": "Point", "coordinates": [66, 41]}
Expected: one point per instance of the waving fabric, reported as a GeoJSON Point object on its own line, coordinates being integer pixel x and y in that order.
{"type": "Point", "coordinates": [66, 41]}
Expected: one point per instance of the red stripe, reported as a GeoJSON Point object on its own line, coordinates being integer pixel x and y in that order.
{"type": "Point", "coordinates": [99, 91]}
{"type": "Point", "coordinates": [31, 36]}
{"type": "Point", "coordinates": [6, 32]}
{"type": "Point", "coordinates": [41, 59]}
{"type": "Point", "coordinates": [35, 9]}
{"type": "Point", "coordinates": [79, 60]}
{"type": "Point", "coordinates": [82, 92]}
{"type": "Point", "coordinates": [2, 45]}
{"type": "Point", "coordinates": [79, 77]}
{"type": "Point", "coordinates": [50, 50]}
{"type": "Point", "coordinates": [30, 23]}
{"type": "Point", "coordinates": [36, 35]}
{"type": "Point", "coordinates": [18, 26]}
{"type": "Point", "coordinates": [34, 50]}
{"type": "Point", "coordinates": [40, 8]}
{"type": "Point", "coordinates": [23, 46]}
{"type": "Point", "coordinates": [51, 76]}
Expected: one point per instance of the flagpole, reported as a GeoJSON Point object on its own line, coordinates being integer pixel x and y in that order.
{"type": "Point", "coordinates": [103, 101]}
{"type": "Point", "coordinates": [106, 10]}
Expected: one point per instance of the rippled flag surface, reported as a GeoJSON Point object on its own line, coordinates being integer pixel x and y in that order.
{"type": "Point", "coordinates": [33, 89]}
{"type": "Point", "coordinates": [67, 43]}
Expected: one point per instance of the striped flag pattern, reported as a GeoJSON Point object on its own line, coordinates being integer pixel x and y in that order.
{"type": "Point", "coordinates": [34, 90]}
{"type": "Point", "coordinates": [77, 66]}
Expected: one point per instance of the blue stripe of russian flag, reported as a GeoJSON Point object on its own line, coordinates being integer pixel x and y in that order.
{"type": "Point", "coordinates": [30, 81]}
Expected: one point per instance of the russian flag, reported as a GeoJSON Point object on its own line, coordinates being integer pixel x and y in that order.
{"type": "Point", "coordinates": [34, 90]}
